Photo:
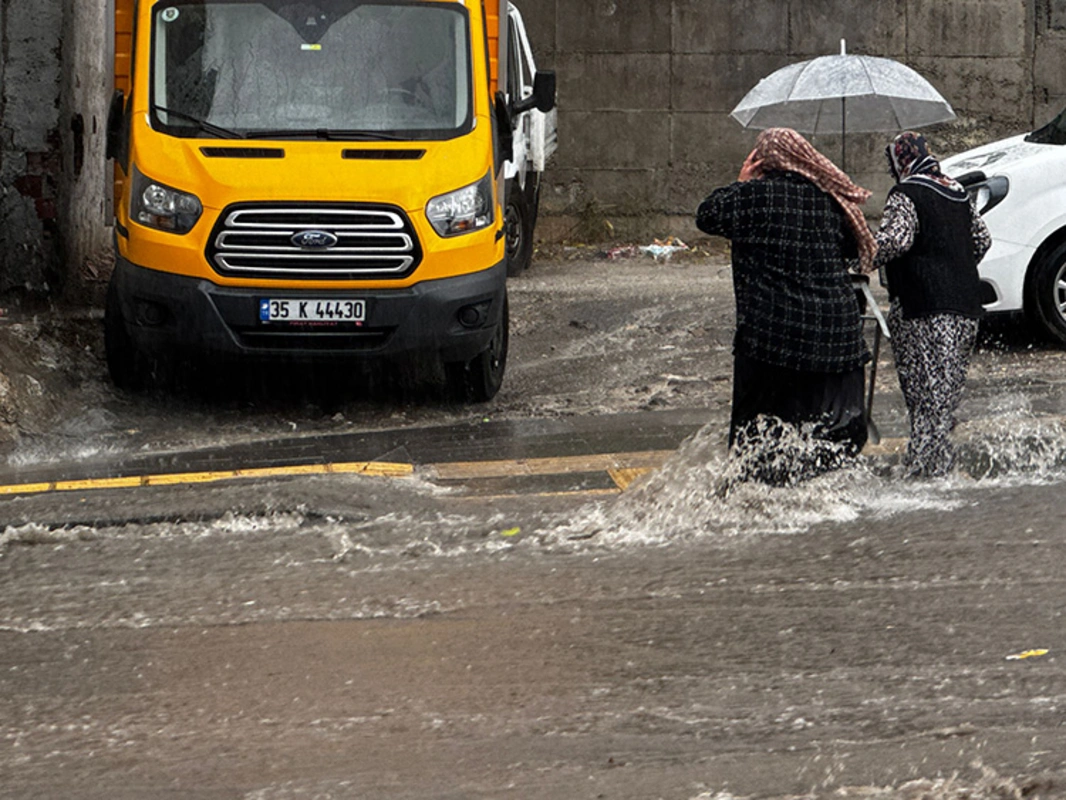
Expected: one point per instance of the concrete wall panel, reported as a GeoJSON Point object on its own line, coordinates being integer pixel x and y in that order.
{"type": "Point", "coordinates": [614, 26]}
{"type": "Point", "coordinates": [539, 17]}
{"type": "Point", "coordinates": [978, 28]}
{"type": "Point", "coordinates": [998, 90]}
{"type": "Point", "coordinates": [30, 161]}
{"type": "Point", "coordinates": [718, 82]}
{"type": "Point", "coordinates": [878, 29]}
{"type": "Point", "coordinates": [621, 191]}
{"type": "Point", "coordinates": [599, 81]}
{"type": "Point", "coordinates": [1049, 64]}
{"type": "Point", "coordinates": [31, 102]}
{"type": "Point", "coordinates": [725, 26]}
{"type": "Point", "coordinates": [1057, 14]}
{"type": "Point", "coordinates": [710, 138]}
{"type": "Point", "coordinates": [614, 140]}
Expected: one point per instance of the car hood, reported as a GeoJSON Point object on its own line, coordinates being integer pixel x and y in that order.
{"type": "Point", "coordinates": [996, 156]}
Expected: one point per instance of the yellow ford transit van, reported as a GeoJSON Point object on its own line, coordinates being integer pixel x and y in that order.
{"type": "Point", "coordinates": [317, 180]}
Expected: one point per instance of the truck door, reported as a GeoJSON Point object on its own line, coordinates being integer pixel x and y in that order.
{"type": "Point", "coordinates": [536, 136]}
{"type": "Point", "coordinates": [519, 87]}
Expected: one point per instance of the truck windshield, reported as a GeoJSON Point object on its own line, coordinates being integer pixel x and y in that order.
{"type": "Point", "coordinates": [328, 68]}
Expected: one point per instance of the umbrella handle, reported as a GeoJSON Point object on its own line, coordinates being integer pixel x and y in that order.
{"type": "Point", "coordinates": [843, 128]}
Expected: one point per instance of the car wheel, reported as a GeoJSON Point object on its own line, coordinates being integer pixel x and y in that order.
{"type": "Point", "coordinates": [479, 379]}
{"type": "Point", "coordinates": [518, 227]}
{"type": "Point", "coordinates": [124, 363]}
{"type": "Point", "coordinates": [1046, 294]}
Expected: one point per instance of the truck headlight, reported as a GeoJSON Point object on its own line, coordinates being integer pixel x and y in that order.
{"type": "Point", "coordinates": [989, 193]}
{"type": "Point", "coordinates": [464, 210]}
{"type": "Point", "coordinates": [157, 205]}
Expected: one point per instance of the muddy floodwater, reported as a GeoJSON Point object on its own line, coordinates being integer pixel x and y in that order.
{"type": "Point", "coordinates": [690, 638]}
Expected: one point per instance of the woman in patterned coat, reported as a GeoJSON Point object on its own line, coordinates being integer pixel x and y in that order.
{"type": "Point", "coordinates": [930, 242]}
{"type": "Point", "coordinates": [795, 224]}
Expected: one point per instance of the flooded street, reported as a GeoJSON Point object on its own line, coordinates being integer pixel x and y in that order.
{"type": "Point", "coordinates": [689, 638]}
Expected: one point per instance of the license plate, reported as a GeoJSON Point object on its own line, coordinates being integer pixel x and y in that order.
{"type": "Point", "coordinates": [312, 310]}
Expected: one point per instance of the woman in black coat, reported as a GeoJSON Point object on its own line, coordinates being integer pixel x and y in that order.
{"type": "Point", "coordinates": [795, 225]}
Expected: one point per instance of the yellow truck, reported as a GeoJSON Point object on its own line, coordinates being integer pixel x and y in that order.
{"type": "Point", "coordinates": [325, 180]}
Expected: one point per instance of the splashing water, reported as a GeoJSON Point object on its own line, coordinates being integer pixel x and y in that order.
{"type": "Point", "coordinates": [1013, 448]}
{"type": "Point", "coordinates": [701, 492]}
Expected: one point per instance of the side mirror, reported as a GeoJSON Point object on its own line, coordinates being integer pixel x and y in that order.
{"type": "Point", "coordinates": [544, 90]}
{"type": "Point", "coordinates": [543, 97]}
{"type": "Point", "coordinates": [116, 129]}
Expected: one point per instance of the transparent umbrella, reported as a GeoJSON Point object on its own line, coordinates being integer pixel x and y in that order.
{"type": "Point", "coordinates": [841, 94]}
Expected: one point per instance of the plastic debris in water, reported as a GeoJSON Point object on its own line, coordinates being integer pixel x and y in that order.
{"type": "Point", "coordinates": [1027, 654]}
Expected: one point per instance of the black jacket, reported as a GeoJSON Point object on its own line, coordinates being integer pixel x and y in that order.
{"type": "Point", "coordinates": [796, 307]}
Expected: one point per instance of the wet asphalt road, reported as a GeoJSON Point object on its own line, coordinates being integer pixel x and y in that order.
{"type": "Point", "coordinates": [314, 640]}
{"type": "Point", "coordinates": [521, 627]}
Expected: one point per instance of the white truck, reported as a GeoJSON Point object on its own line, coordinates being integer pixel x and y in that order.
{"type": "Point", "coordinates": [1019, 185]}
{"type": "Point", "coordinates": [535, 139]}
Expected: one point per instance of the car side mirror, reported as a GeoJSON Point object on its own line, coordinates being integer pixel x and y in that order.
{"type": "Point", "coordinates": [543, 97]}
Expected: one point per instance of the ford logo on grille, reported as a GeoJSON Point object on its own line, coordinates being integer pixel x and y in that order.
{"type": "Point", "coordinates": [314, 240]}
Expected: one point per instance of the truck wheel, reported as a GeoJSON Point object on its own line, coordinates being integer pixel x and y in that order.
{"type": "Point", "coordinates": [479, 379]}
{"type": "Point", "coordinates": [518, 226]}
{"type": "Point", "coordinates": [1046, 294]}
{"type": "Point", "coordinates": [124, 363]}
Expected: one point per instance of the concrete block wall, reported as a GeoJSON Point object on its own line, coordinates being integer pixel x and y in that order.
{"type": "Point", "coordinates": [54, 79]}
{"type": "Point", "coordinates": [85, 213]}
{"type": "Point", "coordinates": [29, 142]}
{"type": "Point", "coordinates": [646, 87]}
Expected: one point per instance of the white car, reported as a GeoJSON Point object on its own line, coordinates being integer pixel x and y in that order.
{"type": "Point", "coordinates": [1019, 185]}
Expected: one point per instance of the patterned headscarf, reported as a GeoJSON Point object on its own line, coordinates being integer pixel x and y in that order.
{"type": "Point", "coordinates": [784, 149]}
{"type": "Point", "coordinates": [909, 160]}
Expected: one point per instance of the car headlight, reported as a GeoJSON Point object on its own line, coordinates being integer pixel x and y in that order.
{"type": "Point", "coordinates": [464, 210]}
{"type": "Point", "coordinates": [159, 206]}
{"type": "Point", "coordinates": [989, 193]}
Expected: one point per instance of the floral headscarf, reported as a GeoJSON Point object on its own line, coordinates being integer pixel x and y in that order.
{"type": "Point", "coordinates": [909, 160]}
{"type": "Point", "coordinates": [785, 149]}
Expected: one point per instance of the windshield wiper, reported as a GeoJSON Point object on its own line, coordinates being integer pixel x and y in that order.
{"type": "Point", "coordinates": [202, 124]}
{"type": "Point", "coordinates": [329, 134]}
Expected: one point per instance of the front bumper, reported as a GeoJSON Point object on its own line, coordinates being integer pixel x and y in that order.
{"type": "Point", "coordinates": [1003, 271]}
{"type": "Point", "coordinates": [165, 313]}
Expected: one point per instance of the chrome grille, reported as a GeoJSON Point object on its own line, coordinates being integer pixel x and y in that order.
{"type": "Point", "coordinates": [366, 242]}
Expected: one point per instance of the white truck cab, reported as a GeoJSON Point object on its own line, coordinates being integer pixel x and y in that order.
{"type": "Point", "coordinates": [1019, 186]}
{"type": "Point", "coordinates": [535, 139]}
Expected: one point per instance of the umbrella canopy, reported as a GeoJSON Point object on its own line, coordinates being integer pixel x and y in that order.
{"type": "Point", "coordinates": [843, 93]}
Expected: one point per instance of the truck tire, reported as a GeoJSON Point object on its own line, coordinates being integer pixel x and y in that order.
{"type": "Point", "coordinates": [478, 380]}
{"type": "Point", "coordinates": [520, 215]}
{"type": "Point", "coordinates": [124, 363]}
{"type": "Point", "coordinates": [1046, 294]}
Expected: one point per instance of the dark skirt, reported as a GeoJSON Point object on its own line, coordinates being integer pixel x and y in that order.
{"type": "Point", "coordinates": [820, 408]}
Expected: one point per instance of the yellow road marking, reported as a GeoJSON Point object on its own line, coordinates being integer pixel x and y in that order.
{"type": "Point", "coordinates": [466, 470]}
{"type": "Point", "coordinates": [623, 468]}
{"type": "Point", "coordinates": [484, 498]}
{"type": "Point", "coordinates": [624, 477]}
{"type": "Point", "coordinates": [376, 468]}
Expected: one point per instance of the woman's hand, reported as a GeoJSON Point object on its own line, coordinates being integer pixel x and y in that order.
{"type": "Point", "coordinates": [752, 168]}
